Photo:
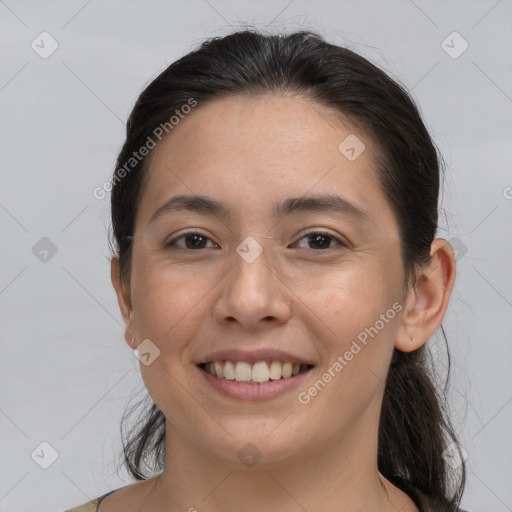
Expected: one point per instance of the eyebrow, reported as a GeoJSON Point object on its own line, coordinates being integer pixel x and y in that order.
{"type": "Point", "coordinates": [314, 203]}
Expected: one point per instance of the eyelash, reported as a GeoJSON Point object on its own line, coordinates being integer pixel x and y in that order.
{"type": "Point", "coordinates": [172, 243]}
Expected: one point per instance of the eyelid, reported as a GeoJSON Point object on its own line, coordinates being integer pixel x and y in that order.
{"type": "Point", "coordinates": [341, 242]}
{"type": "Point", "coordinates": [322, 231]}
{"type": "Point", "coordinates": [178, 236]}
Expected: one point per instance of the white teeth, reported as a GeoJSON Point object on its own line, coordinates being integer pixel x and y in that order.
{"type": "Point", "coordinates": [218, 369]}
{"type": "Point", "coordinates": [259, 372]}
{"type": "Point", "coordinates": [229, 370]}
{"type": "Point", "coordinates": [286, 370]}
{"type": "Point", "coordinates": [275, 370]}
{"type": "Point", "coordinates": [243, 372]}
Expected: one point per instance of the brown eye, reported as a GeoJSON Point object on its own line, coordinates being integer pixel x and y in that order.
{"type": "Point", "coordinates": [193, 240]}
{"type": "Point", "coordinates": [321, 240]}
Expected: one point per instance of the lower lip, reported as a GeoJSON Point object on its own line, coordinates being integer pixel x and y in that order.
{"type": "Point", "coordinates": [253, 392]}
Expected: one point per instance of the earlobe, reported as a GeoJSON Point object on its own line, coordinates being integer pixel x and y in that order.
{"type": "Point", "coordinates": [427, 301]}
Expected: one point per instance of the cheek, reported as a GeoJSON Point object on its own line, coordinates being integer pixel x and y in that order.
{"type": "Point", "coordinates": [168, 308]}
{"type": "Point", "coordinates": [168, 304]}
{"type": "Point", "coordinates": [356, 356]}
{"type": "Point", "coordinates": [355, 318]}
{"type": "Point", "coordinates": [348, 298]}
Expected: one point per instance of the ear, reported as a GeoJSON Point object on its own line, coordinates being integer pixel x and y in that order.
{"type": "Point", "coordinates": [124, 300]}
{"type": "Point", "coordinates": [427, 301]}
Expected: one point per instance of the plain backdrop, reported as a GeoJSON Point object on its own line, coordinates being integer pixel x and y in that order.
{"type": "Point", "coordinates": [66, 373]}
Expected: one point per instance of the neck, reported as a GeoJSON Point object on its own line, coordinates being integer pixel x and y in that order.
{"type": "Point", "coordinates": [323, 478]}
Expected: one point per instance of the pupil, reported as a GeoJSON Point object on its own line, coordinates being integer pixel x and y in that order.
{"type": "Point", "coordinates": [195, 237]}
{"type": "Point", "coordinates": [315, 238]}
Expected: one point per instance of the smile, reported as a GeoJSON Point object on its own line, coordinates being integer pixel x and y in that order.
{"type": "Point", "coordinates": [257, 373]}
{"type": "Point", "coordinates": [262, 380]}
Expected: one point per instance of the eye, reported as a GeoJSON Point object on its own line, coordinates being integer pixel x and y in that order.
{"type": "Point", "coordinates": [196, 241]}
{"type": "Point", "coordinates": [321, 239]}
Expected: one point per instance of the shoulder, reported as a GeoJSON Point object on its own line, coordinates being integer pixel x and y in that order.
{"type": "Point", "coordinates": [92, 506]}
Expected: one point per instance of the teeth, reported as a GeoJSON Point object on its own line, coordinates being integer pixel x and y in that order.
{"type": "Point", "coordinates": [261, 371]}
{"type": "Point", "coordinates": [286, 370]}
{"type": "Point", "coordinates": [275, 370]}
{"type": "Point", "coordinates": [219, 371]}
{"type": "Point", "coordinates": [243, 371]}
{"type": "Point", "coordinates": [229, 370]}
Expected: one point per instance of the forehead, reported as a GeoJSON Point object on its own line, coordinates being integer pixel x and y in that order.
{"type": "Point", "coordinates": [239, 123]}
{"type": "Point", "coordinates": [256, 150]}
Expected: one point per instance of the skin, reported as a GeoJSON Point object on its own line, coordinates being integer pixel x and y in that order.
{"type": "Point", "coordinates": [308, 299]}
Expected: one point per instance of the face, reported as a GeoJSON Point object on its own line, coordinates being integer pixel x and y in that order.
{"type": "Point", "coordinates": [320, 284]}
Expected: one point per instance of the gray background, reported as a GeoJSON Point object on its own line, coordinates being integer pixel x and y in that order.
{"type": "Point", "coordinates": [66, 372]}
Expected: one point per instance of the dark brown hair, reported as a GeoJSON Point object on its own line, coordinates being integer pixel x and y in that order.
{"type": "Point", "coordinates": [414, 427]}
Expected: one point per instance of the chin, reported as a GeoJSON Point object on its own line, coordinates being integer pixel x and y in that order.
{"type": "Point", "coordinates": [260, 448]}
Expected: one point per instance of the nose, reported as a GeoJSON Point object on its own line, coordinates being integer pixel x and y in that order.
{"type": "Point", "coordinates": [253, 293]}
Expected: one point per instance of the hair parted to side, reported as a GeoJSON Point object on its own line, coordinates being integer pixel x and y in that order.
{"type": "Point", "coordinates": [415, 427]}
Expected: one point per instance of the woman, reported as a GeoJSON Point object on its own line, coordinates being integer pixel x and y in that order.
{"type": "Point", "coordinates": [274, 209]}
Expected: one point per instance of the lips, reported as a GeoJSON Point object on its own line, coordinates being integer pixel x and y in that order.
{"type": "Point", "coordinates": [236, 372]}
{"type": "Point", "coordinates": [254, 356]}
{"type": "Point", "coordinates": [253, 391]}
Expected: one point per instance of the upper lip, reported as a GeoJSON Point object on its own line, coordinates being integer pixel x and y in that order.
{"type": "Point", "coordinates": [252, 356]}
